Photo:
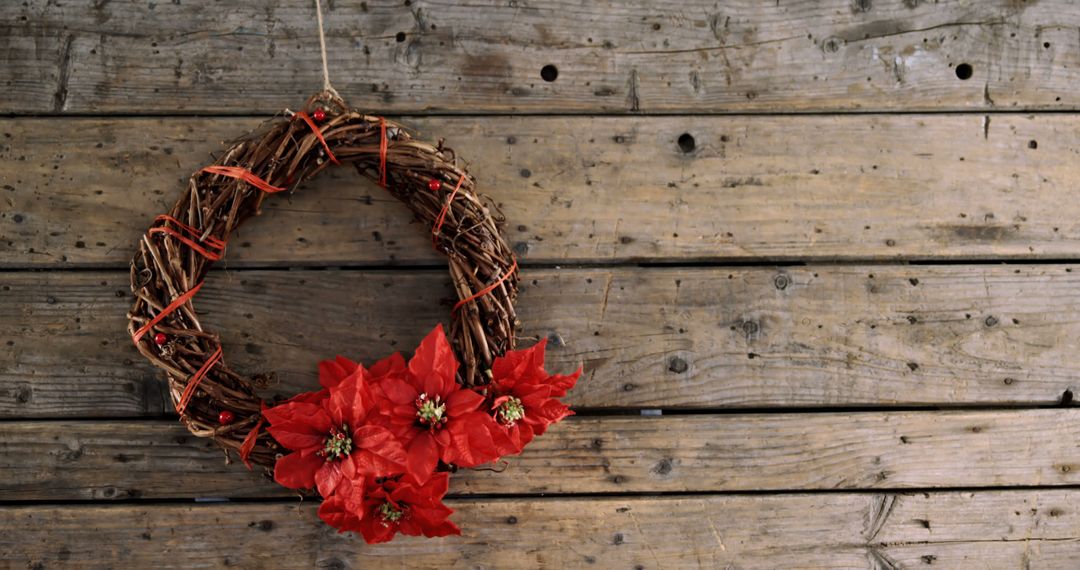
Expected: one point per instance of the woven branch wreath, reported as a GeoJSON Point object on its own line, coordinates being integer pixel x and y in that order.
{"type": "Point", "coordinates": [377, 443]}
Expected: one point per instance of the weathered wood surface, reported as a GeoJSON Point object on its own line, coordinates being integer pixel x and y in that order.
{"type": "Point", "coordinates": [991, 529]}
{"type": "Point", "coordinates": [648, 338]}
{"type": "Point", "coordinates": [80, 192]}
{"type": "Point", "coordinates": [610, 56]}
{"type": "Point", "coordinates": [102, 460]}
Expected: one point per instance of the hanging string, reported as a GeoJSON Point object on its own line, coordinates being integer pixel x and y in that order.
{"type": "Point", "coordinates": [322, 49]}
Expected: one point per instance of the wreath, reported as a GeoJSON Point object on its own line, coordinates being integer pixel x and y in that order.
{"type": "Point", "coordinates": [378, 443]}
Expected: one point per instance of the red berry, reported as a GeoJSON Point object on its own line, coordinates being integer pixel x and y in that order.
{"type": "Point", "coordinates": [434, 185]}
{"type": "Point", "coordinates": [160, 338]}
{"type": "Point", "coordinates": [225, 417]}
{"type": "Point", "coordinates": [319, 115]}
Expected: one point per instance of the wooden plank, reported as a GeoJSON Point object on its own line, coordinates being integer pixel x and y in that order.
{"type": "Point", "coordinates": [80, 192]}
{"type": "Point", "coordinates": [1013, 529]}
{"type": "Point", "coordinates": [95, 460]}
{"type": "Point", "coordinates": [610, 56]}
{"type": "Point", "coordinates": [648, 338]}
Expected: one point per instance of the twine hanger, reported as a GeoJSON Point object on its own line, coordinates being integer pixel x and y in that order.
{"type": "Point", "coordinates": [322, 48]}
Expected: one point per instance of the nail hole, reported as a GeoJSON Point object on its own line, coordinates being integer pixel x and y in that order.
{"type": "Point", "coordinates": [549, 73]}
{"type": "Point", "coordinates": [964, 71]}
{"type": "Point", "coordinates": [1033, 144]}
{"type": "Point", "coordinates": [686, 142]}
{"type": "Point", "coordinates": [400, 37]}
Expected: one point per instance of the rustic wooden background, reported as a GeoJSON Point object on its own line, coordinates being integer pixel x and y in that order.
{"type": "Point", "coordinates": [816, 256]}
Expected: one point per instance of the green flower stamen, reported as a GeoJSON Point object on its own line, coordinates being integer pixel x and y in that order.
{"type": "Point", "coordinates": [390, 514]}
{"type": "Point", "coordinates": [512, 410]}
{"type": "Point", "coordinates": [429, 411]}
{"type": "Point", "coordinates": [338, 445]}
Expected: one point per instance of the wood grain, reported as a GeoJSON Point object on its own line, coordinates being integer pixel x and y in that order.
{"type": "Point", "coordinates": [110, 460]}
{"type": "Point", "coordinates": [81, 192]}
{"type": "Point", "coordinates": [992, 529]}
{"type": "Point", "coordinates": [611, 56]}
{"type": "Point", "coordinates": [757, 337]}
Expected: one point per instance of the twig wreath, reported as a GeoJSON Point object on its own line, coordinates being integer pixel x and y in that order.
{"type": "Point", "coordinates": [377, 443]}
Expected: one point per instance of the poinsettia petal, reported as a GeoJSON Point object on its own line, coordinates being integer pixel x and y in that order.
{"type": "Point", "coordinates": [337, 512]}
{"type": "Point", "coordinates": [378, 452]}
{"type": "Point", "coordinates": [399, 391]}
{"type": "Point", "coordinates": [328, 477]}
{"type": "Point", "coordinates": [513, 362]}
{"type": "Point", "coordinates": [445, 528]}
{"type": "Point", "coordinates": [409, 526]}
{"type": "Point", "coordinates": [298, 425]}
{"type": "Point", "coordinates": [442, 438]}
{"type": "Point", "coordinates": [393, 364]}
{"type": "Point", "coordinates": [297, 470]}
{"type": "Point", "coordinates": [463, 401]}
{"type": "Point", "coordinates": [504, 439]}
{"type": "Point", "coordinates": [423, 455]}
{"type": "Point", "coordinates": [351, 400]}
{"type": "Point", "coordinates": [430, 515]}
{"type": "Point", "coordinates": [375, 530]}
{"type": "Point", "coordinates": [553, 411]}
{"type": "Point", "coordinates": [437, 486]}
{"type": "Point", "coordinates": [434, 365]}
{"type": "Point", "coordinates": [332, 372]}
{"type": "Point", "coordinates": [560, 384]}
{"type": "Point", "coordinates": [308, 397]}
{"type": "Point", "coordinates": [472, 443]}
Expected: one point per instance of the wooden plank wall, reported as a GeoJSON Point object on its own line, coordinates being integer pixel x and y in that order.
{"type": "Point", "coordinates": [832, 243]}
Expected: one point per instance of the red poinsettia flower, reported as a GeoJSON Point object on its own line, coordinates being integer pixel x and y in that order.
{"type": "Point", "coordinates": [333, 437]}
{"type": "Point", "coordinates": [522, 397]}
{"type": "Point", "coordinates": [434, 417]}
{"type": "Point", "coordinates": [398, 504]}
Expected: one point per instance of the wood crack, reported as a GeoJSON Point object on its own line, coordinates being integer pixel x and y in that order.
{"type": "Point", "coordinates": [867, 37]}
{"type": "Point", "coordinates": [64, 75]}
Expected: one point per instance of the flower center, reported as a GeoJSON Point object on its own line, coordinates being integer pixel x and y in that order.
{"type": "Point", "coordinates": [390, 514]}
{"type": "Point", "coordinates": [511, 411]}
{"type": "Point", "coordinates": [430, 411]}
{"type": "Point", "coordinates": [338, 444]}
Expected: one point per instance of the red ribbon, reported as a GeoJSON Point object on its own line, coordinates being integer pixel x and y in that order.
{"type": "Point", "coordinates": [243, 174]}
{"type": "Point", "coordinates": [249, 442]}
{"type": "Point", "coordinates": [382, 152]}
{"type": "Point", "coordinates": [213, 256]}
{"type": "Point", "coordinates": [194, 381]}
{"type": "Point", "coordinates": [442, 214]}
{"type": "Point", "coordinates": [487, 289]}
{"type": "Point", "coordinates": [318, 133]}
{"type": "Point", "coordinates": [182, 299]}
{"type": "Point", "coordinates": [213, 241]}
